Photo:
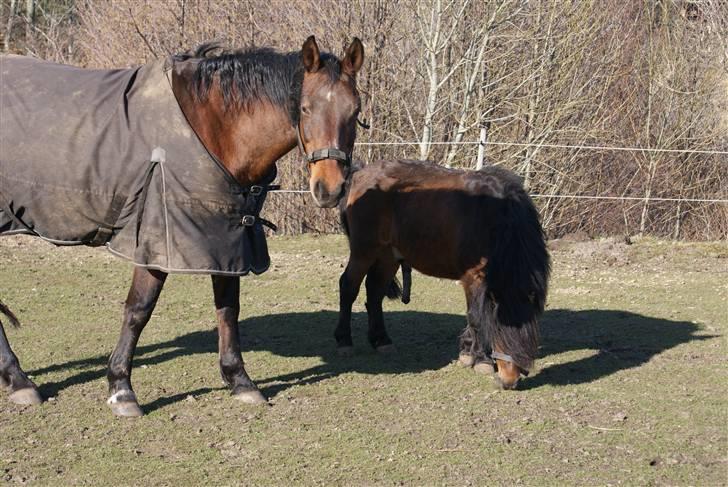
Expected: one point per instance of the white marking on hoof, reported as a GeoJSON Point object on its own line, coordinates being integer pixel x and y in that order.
{"type": "Point", "coordinates": [26, 397]}
{"type": "Point", "coordinates": [466, 360]}
{"type": "Point", "coordinates": [121, 396]}
{"type": "Point", "coordinates": [347, 351]}
{"type": "Point", "coordinates": [386, 349]}
{"type": "Point", "coordinates": [484, 368]}
{"type": "Point", "coordinates": [124, 403]}
{"type": "Point", "coordinates": [250, 397]}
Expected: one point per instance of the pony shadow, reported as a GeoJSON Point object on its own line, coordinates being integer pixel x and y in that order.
{"type": "Point", "coordinates": [427, 341]}
{"type": "Point", "coordinates": [424, 341]}
{"type": "Point", "coordinates": [619, 339]}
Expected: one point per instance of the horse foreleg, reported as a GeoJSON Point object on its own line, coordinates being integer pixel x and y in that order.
{"type": "Point", "coordinates": [145, 288]}
{"type": "Point", "coordinates": [379, 277]}
{"type": "Point", "coordinates": [21, 388]}
{"type": "Point", "coordinates": [232, 369]}
{"type": "Point", "coordinates": [349, 285]}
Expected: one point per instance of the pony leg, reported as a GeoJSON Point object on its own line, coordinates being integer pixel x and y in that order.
{"type": "Point", "coordinates": [472, 350]}
{"type": "Point", "coordinates": [378, 279]}
{"type": "Point", "coordinates": [145, 287]}
{"type": "Point", "coordinates": [349, 285]}
{"type": "Point", "coordinates": [21, 388]}
{"type": "Point", "coordinates": [232, 369]}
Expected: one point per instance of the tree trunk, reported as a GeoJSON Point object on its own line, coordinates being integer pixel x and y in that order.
{"type": "Point", "coordinates": [29, 19]}
{"type": "Point", "coordinates": [9, 28]}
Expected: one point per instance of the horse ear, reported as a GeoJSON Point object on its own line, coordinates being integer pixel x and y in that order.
{"type": "Point", "coordinates": [354, 57]}
{"type": "Point", "coordinates": [311, 56]}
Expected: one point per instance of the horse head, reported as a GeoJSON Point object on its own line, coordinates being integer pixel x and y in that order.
{"type": "Point", "coordinates": [326, 124]}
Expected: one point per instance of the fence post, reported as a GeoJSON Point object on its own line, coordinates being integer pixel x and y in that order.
{"type": "Point", "coordinates": [481, 149]}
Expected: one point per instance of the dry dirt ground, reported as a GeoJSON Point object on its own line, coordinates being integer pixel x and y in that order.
{"type": "Point", "coordinates": [630, 387]}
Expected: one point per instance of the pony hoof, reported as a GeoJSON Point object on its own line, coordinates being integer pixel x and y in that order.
{"type": "Point", "coordinates": [3, 383]}
{"type": "Point", "coordinates": [126, 409]}
{"type": "Point", "coordinates": [26, 397]}
{"type": "Point", "coordinates": [250, 397]}
{"type": "Point", "coordinates": [466, 360]}
{"type": "Point", "coordinates": [485, 368]}
{"type": "Point", "coordinates": [387, 349]}
{"type": "Point", "coordinates": [345, 351]}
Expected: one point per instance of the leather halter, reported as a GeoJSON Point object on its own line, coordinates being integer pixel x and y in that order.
{"type": "Point", "coordinates": [321, 154]}
{"type": "Point", "coordinates": [501, 356]}
{"type": "Point", "coordinates": [507, 358]}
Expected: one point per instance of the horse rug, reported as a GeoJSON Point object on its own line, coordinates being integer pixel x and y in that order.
{"type": "Point", "coordinates": [107, 157]}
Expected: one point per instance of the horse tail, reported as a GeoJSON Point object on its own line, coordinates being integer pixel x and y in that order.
{"type": "Point", "coordinates": [11, 316]}
{"type": "Point", "coordinates": [516, 278]}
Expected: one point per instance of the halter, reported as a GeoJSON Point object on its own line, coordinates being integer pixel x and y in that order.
{"type": "Point", "coordinates": [321, 154]}
{"type": "Point", "coordinates": [506, 358]}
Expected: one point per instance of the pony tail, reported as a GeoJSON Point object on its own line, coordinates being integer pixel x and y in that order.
{"type": "Point", "coordinates": [11, 317]}
{"type": "Point", "coordinates": [516, 278]}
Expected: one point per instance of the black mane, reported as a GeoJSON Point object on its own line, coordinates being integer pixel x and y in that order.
{"type": "Point", "coordinates": [253, 75]}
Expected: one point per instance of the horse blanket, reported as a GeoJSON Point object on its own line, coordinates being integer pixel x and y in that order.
{"type": "Point", "coordinates": [106, 157]}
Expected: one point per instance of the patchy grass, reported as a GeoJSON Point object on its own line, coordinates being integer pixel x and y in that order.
{"type": "Point", "coordinates": [631, 386]}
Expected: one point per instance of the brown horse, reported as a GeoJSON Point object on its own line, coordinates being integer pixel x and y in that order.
{"type": "Point", "coordinates": [247, 109]}
{"type": "Point", "coordinates": [478, 227]}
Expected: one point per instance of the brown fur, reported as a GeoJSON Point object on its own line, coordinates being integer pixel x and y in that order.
{"type": "Point", "coordinates": [478, 227]}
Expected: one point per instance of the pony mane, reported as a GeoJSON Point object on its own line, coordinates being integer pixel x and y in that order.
{"type": "Point", "coordinates": [252, 75]}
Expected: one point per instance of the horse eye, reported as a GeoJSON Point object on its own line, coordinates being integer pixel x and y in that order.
{"type": "Point", "coordinates": [305, 110]}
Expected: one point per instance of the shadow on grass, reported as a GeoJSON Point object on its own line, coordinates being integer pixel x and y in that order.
{"type": "Point", "coordinates": [425, 341]}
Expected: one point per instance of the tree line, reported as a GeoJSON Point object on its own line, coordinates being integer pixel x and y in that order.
{"type": "Point", "coordinates": [634, 73]}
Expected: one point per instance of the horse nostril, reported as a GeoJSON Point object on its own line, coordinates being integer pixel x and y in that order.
{"type": "Point", "coordinates": [320, 192]}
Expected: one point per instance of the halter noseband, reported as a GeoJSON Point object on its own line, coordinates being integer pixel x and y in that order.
{"type": "Point", "coordinates": [321, 154]}
{"type": "Point", "coordinates": [506, 358]}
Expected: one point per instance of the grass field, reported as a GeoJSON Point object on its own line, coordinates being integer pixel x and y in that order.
{"type": "Point", "coordinates": [630, 387]}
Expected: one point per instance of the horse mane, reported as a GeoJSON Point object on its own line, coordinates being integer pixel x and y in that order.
{"type": "Point", "coordinates": [253, 75]}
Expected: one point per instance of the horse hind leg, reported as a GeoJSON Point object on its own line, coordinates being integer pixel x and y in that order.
{"type": "Point", "coordinates": [22, 390]}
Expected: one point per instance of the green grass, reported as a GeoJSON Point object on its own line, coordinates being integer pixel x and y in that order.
{"type": "Point", "coordinates": [631, 386]}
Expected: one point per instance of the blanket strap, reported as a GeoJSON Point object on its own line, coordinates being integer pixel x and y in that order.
{"type": "Point", "coordinates": [258, 192]}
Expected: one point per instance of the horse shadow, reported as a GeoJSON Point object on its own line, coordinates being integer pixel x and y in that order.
{"type": "Point", "coordinates": [425, 341]}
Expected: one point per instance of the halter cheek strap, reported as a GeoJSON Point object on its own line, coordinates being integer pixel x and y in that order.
{"type": "Point", "coordinates": [321, 154]}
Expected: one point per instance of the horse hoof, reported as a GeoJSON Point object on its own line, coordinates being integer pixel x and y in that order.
{"type": "Point", "coordinates": [126, 409]}
{"type": "Point", "coordinates": [346, 351]}
{"type": "Point", "coordinates": [387, 349]}
{"type": "Point", "coordinates": [124, 403]}
{"type": "Point", "coordinates": [3, 383]}
{"type": "Point", "coordinates": [250, 397]}
{"type": "Point", "coordinates": [26, 397]}
{"type": "Point", "coordinates": [484, 368]}
{"type": "Point", "coordinates": [466, 360]}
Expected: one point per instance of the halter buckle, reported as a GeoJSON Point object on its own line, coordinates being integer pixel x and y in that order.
{"type": "Point", "coordinates": [248, 221]}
